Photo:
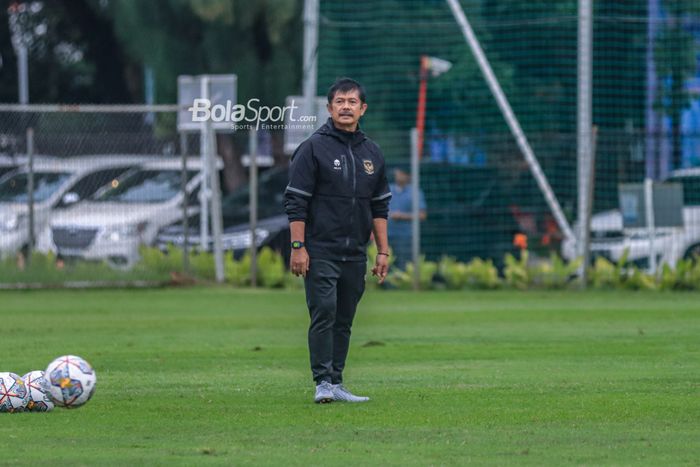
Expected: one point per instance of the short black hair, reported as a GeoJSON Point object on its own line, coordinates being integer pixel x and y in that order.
{"type": "Point", "coordinates": [345, 85]}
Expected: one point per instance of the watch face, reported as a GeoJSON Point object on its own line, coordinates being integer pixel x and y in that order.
{"type": "Point", "coordinates": [296, 245]}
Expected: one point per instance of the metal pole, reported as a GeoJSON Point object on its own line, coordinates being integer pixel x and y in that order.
{"type": "Point", "coordinates": [30, 192]}
{"type": "Point", "coordinates": [185, 206]}
{"type": "Point", "coordinates": [23, 73]}
{"type": "Point", "coordinates": [204, 193]}
{"type": "Point", "coordinates": [88, 108]}
{"type": "Point", "coordinates": [651, 222]}
{"type": "Point", "coordinates": [253, 184]}
{"type": "Point", "coordinates": [20, 34]}
{"type": "Point", "coordinates": [422, 98]}
{"type": "Point", "coordinates": [651, 116]}
{"type": "Point", "coordinates": [510, 118]}
{"type": "Point", "coordinates": [216, 215]}
{"type": "Point", "coordinates": [589, 204]}
{"type": "Point", "coordinates": [311, 11]}
{"type": "Point", "coordinates": [584, 124]}
{"type": "Point", "coordinates": [415, 208]}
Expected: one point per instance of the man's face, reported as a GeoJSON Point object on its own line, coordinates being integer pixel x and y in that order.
{"type": "Point", "coordinates": [401, 178]}
{"type": "Point", "coordinates": [346, 109]}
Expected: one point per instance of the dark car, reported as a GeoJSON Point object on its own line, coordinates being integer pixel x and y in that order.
{"type": "Point", "coordinates": [472, 212]}
{"type": "Point", "coordinates": [272, 228]}
{"type": "Point", "coordinates": [10, 163]}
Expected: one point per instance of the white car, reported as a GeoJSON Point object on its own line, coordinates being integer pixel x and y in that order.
{"type": "Point", "coordinates": [115, 222]}
{"type": "Point", "coordinates": [610, 240]}
{"type": "Point", "coordinates": [58, 182]}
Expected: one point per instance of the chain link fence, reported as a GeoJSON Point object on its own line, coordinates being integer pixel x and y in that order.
{"type": "Point", "coordinates": [95, 195]}
{"type": "Point", "coordinates": [482, 199]}
{"type": "Point", "coordinates": [104, 192]}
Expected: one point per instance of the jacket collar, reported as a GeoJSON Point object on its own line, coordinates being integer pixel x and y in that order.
{"type": "Point", "coordinates": [346, 137]}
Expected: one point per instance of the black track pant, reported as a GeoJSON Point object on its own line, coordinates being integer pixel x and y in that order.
{"type": "Point", "coordinates": [333, 290]}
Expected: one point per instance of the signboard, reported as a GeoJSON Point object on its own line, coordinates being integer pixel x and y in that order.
{"type": "Point", "coordinates": [199, 95]}
{"type": "Point", "coordinates": [303, 125]}
{"type": "Point", "coordinates": [667, 203]}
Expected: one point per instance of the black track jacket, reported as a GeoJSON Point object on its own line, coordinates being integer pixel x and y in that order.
{"type": "Point", "coordinates": [337, 185]}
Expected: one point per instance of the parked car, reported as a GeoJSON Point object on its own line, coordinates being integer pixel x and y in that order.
{"type": "Point", "coordinates": [610, 239]}
{"type": "Point", "coordinates": [58, 183]}
{"type": "Point", "coordinates": [272, 227]}
{"type": "Point", "coordinates": [113, 223]}
{"type": "Point", "coordinates": [10, 164]}
{"type": "Point", "coordinates": [471, 213]}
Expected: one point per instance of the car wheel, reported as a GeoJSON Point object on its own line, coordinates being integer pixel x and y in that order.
{"type": "Point", "coordinates": [693, 253]}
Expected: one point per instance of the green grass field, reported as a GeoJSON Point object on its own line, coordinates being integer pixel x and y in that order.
{"type": "Point", "coordinates": [218, 376]}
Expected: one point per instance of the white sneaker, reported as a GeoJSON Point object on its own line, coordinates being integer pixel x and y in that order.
{"type": "Point", "coordinates": [340, 393]}
{"type": "Point", "coordinates": [324, 393]}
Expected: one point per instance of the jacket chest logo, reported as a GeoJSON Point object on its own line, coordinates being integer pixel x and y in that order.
{"type": "Point", "coordinates": [369, 166]}
{"type": "Point", "coordinates": [336, 165]}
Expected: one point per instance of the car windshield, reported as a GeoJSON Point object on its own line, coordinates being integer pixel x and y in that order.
{"type": "Point", "coordinates": [691, 190]}
{"type": "Point", "coordinates": [235, 205]}
{"type": "Point", "coordinates": [144, 186]}
{"type": "Point", "coordinates": [14, 189]}
{"type": "Point", "coordinates": [6, 169]}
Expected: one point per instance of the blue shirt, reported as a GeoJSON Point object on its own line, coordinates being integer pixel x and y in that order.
{"type": "Point", "coordinates": [401, 201]}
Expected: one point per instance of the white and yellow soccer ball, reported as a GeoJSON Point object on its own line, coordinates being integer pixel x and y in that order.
{"type": "Point", "coordinates": [39, 400]}
{"type": "Point", "coordinates": [70, 381]}
{"type": "Point", "coordinates": [14, 395]}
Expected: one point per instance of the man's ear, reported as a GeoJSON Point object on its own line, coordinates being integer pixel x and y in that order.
{"type": "Point", "coordinates": [363, 109]}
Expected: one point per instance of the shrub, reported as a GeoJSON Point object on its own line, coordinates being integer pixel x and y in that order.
{"type": "Point", "coordinates": [477, 274]}
{"type": "Point", "coordinates": [271, 270]}
{"type": "Point", "coordinates": [608, 275]}
{"type": "Point", "coordinates": [516, 271]}
{"type": "Point", "coordinates": [403, 279]}
{"type": "Point", "coordinates": [482, 274]}
{"type": "Point", "coordinates": [554, 273]}
{"type": "Point", "coordinates": [685, 276]}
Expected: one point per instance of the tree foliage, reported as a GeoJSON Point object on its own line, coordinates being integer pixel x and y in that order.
{"type": "Point", "coordinates": [259, 41]}
{"type": "Point", "coordinates": [73, 55]}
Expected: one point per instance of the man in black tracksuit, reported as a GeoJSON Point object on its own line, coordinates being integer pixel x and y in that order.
{"type": "Point", "coordinates": [337, 196]}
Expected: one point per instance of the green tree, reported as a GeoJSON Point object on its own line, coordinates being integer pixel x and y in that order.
{"type": "Point", "coordinates": [380, 44]}
{"type": "Point", "coordinates": [74, 56]}
{"type": "Point", "coordinates": [258, 41]}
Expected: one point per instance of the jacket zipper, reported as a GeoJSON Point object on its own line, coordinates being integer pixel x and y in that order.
{"type": "Point", "coordinates": [354, 191]}
{"type": "Point", "coordinates": [354, 178]}
{"type": "Point", "coordinates": [345, 166]}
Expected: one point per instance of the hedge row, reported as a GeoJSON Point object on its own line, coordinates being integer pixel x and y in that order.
{"type": "Point", "coordinates": [520, 272]}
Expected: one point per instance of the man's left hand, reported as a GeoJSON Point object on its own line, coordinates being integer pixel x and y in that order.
{"type": "Point", "coordinates": [381, 267]}
{"type": "Point", "coordinates": [400, 216]}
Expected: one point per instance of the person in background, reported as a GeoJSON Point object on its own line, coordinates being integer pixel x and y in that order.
{"type": "Point", "coordinates": [401, 215]}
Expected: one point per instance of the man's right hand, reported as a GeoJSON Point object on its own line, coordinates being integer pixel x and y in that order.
{"type": "Point", "coordinates": [299, 262]}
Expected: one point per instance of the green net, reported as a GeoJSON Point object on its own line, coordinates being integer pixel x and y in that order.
{"type": "Point", "coordinates": [478, 188]}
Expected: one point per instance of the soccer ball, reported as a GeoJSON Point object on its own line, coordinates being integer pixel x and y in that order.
{"type": "Point", "coordinates": [39, 401]}
{"type": "Point", "coordinates": [14, 395]}
{"type": "Point", "coordinates": [70, 381]}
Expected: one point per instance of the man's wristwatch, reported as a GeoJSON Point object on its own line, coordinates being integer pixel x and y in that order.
{"type": "Point", "coordinates": [297, 245]}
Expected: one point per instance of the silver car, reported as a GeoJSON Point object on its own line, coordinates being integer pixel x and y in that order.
{"type": "Point", "coordinates": [58, 183]}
